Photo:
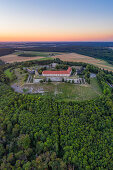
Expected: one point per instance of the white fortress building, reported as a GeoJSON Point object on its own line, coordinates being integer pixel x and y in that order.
{"type": "Point", "coordinates": [65, 73]}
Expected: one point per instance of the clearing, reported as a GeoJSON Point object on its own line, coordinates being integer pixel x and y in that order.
{"type": "Point", "coordinates": [8, 73]}
{"type": "Point", "coordinates": [67, 91]}
{"type": "Point", "coordinates": [62, 90]}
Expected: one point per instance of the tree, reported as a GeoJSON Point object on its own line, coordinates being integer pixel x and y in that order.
{"type": "Point", "coordinates": [2, 150]}
{"type": "Point", "coordinates": [49, 80]}
{"type": "Point", "coordinates": [24, 141]}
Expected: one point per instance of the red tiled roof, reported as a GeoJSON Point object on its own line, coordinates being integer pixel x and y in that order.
{"type": "Point", "coordinates": [69, 69]}
{"type": "Point", "coordinates": [57, 72]}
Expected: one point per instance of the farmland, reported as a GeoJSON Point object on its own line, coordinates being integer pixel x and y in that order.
{"type": "Point", "coordinates": [21, 56]}
{"type": "Point", "coordinates": [26, 56]}
{"type": "Point", "coordinates": [74, 57]}
{"type": "Point", "coordinates": [11, 58]}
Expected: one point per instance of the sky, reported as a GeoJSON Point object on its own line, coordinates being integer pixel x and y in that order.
{"type": "Point", "coordinates": [56, 20]}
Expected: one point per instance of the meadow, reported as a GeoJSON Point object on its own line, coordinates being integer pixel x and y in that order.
{"type": "Point", "coordinates": [8, 73]}
{"type": "Point", "coordinates": [34, 54]}
{"type": "Point", "coordinates": [67, 91]}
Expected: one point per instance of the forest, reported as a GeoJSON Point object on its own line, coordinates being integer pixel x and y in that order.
{"type": "Point", "coordinates": [1, 62]}
{"type": "Point", "coordinates": [42, 133]}
{"type": "Point", "coordinates": [6, 51]}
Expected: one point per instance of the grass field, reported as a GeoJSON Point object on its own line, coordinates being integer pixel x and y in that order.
{"type": "Point", "coordinates": [74, 57]}
{"type": "Point", "coordinates": [20, 76]}
{"type": "Point", "coordinates": [67, 91]}
{"type": "Point", "coordinates": [8, 73]}
{"type": "Point", "coordinates": [34, 54]}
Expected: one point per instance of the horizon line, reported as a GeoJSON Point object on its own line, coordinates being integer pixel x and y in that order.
{"type": "Point", "coordinates": [54, 41]}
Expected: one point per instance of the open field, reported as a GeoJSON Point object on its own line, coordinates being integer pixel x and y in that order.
{"type": "Point", "coordinates": [34, 54]}
{"type": "Point", "coordinates": [74, 57]}
{"type": "Point", "coordinates": [67, 91]}
{"type": "Point", "coordinates": [11, 58]}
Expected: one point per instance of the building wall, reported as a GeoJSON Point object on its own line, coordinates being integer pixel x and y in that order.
{"type": "Point", "coordinates": [55, 79]}
{"type": "Point", "coordinates": [56, 75]}
{"type": "Point", "coordinates": [59, 79]}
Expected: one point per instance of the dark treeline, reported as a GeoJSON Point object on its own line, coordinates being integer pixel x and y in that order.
{"type": "Point", "coordinates": [38, 132]}
{"type": "Point", "coordinates": [2, 62]}
{"type": "Point", "coordinates": [51, 44]}
{"type": "Point", "coordinates": [6, 51]}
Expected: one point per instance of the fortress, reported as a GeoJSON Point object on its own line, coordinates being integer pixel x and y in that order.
{"type": "Point", "coordinates": [65, 73]}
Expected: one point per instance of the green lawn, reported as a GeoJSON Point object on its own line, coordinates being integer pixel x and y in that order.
{"type": "Point", "coordinates": [49, 58]}
{"type": "Point", "coordinates": [8, 73]}
{"type": "Point", "coordinates": [79, 92]}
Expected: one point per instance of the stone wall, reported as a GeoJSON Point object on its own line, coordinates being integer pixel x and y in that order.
{"type": "Point", "coordinates": [60, 79]}
{"type": "Point", "coordinates": [37, 80]}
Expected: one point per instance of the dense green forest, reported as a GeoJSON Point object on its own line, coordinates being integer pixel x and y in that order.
{"type": "Point", "coordinates": [27, 55]}
{"type": "Point", "coordinates": [38, 132]}
{"type": "Point", "coordinates": [97, 52]}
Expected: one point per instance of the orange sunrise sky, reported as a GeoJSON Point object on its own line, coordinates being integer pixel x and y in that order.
{"type": "Point", "coordinates": [58, 20]}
